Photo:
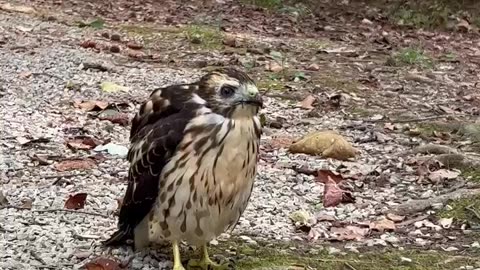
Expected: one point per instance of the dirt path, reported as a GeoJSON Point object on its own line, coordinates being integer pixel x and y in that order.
{"type": "Point", "coordinates": [407, 99]}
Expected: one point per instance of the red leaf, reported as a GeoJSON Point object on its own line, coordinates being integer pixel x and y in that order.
{"type": "Point", "coordinates": [103, 264]}
{"type": "Point", "coordinates": [76, 201]}
{"type": "Point", "coordinates": [75, 164]}
{"type": "Point", "coordinates": [83, 143]}
{"type": "Point", "coordinates": [333, 195]}
{"type": "Point", "coordinates": [120, 118]}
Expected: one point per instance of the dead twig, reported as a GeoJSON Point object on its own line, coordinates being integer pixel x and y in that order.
{"type": "Point", "coordinates": [473, 210]}
{"type": "Point", "coordinates": [71, 211]}
{"type": "Point", "coordinates": [62, 175]}
{"type": "Point", "coordinates": [349, 266]}
{"type": "Point", "coordinates": [415, 206]}
{"type": "Point", "coordinates": [414, 120]}
{"type": "Point", "coordinates": [413, 220]}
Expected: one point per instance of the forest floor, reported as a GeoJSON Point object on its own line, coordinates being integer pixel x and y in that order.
{"type": "Point", "coordinates": [72, 74]}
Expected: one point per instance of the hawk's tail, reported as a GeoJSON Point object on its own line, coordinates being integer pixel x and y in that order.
{"type": "Point", "coordinates": [120, 238]}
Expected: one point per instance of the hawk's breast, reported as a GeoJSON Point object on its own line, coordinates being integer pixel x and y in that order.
{"type": "Point", "coordinates": [206, 186]}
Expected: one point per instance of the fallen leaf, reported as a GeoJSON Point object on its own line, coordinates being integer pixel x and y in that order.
{"type": "Point", "coordinates": [3, 200]}
{"type": "Point", "coordinates": [25, 141]}
{"type": "Point", "coordinates": [333, 195]}
{"type": "Point", "coordinates": [27, 204]}
{"type": "Point", "coordinates": [111, 87]}
{"type": "Point", "coordinates": [348, 233]}
{"type": "Point", "coordinates": [134, 46]}
{"type": "Point", "coordinates": [280, 141]}
{"type": "Point", "coordinates": [445, 222]}
{"type": "Point", "coordinates": [394, 217]}
{"type": "Point", "coordinates": [91, 105]}
{"type": "Point", "coordinates": [119, 206]}
{"type": "Point", "coordinates": [113, 149]}
{"type": "Point", "coordinates": [75, 164]}
{"type": "Point", "coordinates": [313, 67]}
{"type": "Point", "coordinates": [76, 201]}
{"type": "Point", "coordinates": [103, 264]}
{"type": "Point", "coordinates": [301, 217]}
{"type": "Point", "coordinates": [328, 144]}
{"type": "Point", "coordinates": [25, 74]}
{"type": "Point", "coordinates": [115, 117]}
{"type": "Point", "coordinates": [17, 8]}
{"type": "Point", "coordinates": [273, 66]}
{"type": "Point", "coordinates": [463, 26]}
{"type": "Point", "coordinates": [83, 143]}
{"type": "Point", "coordinates": [382, 225]}
{"type": "Point", "coordinates": [88, 44]}
{"type": "Point", "coordinates": [307, 102]}
{"type": "Point", "coordinates": [442, 174]}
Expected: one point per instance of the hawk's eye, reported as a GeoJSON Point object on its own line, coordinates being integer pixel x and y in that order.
{"type": "Point", "coordinates": [227, 91]}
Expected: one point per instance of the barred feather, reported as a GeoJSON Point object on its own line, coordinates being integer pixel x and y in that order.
{"type": "Point", "coordinates": [192, 163]}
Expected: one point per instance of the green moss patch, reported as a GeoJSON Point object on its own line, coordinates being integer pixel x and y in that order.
{"type": "Point", "coordinates": [466, 210]}
{"type": "Point", "coordinates": [410, 57]}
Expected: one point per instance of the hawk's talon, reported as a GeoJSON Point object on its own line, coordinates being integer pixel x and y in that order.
{"type": "Point", "coordinates": [205, 263]}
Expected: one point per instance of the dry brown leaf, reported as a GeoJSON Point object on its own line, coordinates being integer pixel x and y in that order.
{"type": "Point", "coordinates": [307, 102]}
{"type": "Point", "coordinates": [348, 233]}
{"type": "Point", "coordinates": [280, 141]}
{"type": "Point", "coordinates": [383, 225]}
{"type": "Point", "coordinates": [83, 143]}
{"type": "Point", "coordinates": [395, 218]}
{"type": "Point", "coordinates": [333, 195]}
{"type": "Point", "coordinates": [442, 174]}
{"type": "Point", "coordinates": [3, 200]}
{"type": "Point", "coordinates": [328, 144]}
{"type": "Point", "coordinates": [273, 66]}
{"type": "Point", "coordinates": [115, 117]}
{"type": "Point", "coordinates": [76, 201]}
{"type": "Point", "coordinates": [27, 204]}
{"type": "Point", "coordinates": [75, 164]}
{"type": "Point", "coordinates": [103, 264]}
{"type": "Point", "coordinates": [91, 105]}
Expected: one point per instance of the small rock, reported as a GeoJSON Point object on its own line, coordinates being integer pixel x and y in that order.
{"type": "Point", "coordinates": [405, 259]}
{"type": "Point", "coordinates": [313, 67]}
{"type": "Point", "coordinates": [134, 46]}
{"type": "Point", "coordinates": [332, 250]}
{"type": "Point", "coordinates": [115, 49]}
{"type": "Point", "coordinates": [231, 40]}
{"type": "Point", "coordinates": [328, 28]}
{"type": "Point", "coordinates": [115, 37]}
{"type": "Point", "coordinates": [367, 21]}
{"type": "Point", "coordinates": [105, 35]}
{"type": "Point", "coordinates": [427, 194]}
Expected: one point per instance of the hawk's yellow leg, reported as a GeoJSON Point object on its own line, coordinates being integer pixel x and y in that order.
{"type": "Point", "coordinates": [177, 263]}
{"type": "Point", "coordinates": [206, 263]}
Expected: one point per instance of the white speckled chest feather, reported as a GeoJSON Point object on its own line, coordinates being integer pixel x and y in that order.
{"type": "Point", "coordinates": [210, 182]}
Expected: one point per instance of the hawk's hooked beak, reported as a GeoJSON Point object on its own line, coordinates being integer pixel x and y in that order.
{"type": "Point", "coordinates": [253, 97]}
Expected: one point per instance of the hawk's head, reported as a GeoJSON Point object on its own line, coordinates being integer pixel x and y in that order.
{"type": "Point", "coordinates": [230, 92]}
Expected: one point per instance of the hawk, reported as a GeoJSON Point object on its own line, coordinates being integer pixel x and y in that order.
{"type": "Point", "coordinates": [193, 160]}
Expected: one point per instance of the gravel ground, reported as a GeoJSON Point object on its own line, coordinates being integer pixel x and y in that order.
{"type": "Point", "coordinates": [37, 104]}
{"type": "Point", "coordinates": [39, 59]}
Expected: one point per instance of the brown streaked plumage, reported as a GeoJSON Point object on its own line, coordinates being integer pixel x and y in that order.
{"type": "Point", "coordinates": [192, 162]}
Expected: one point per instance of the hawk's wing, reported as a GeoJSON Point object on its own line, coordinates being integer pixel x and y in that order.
{"type": "Point", "coordinates": [156, 131]}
